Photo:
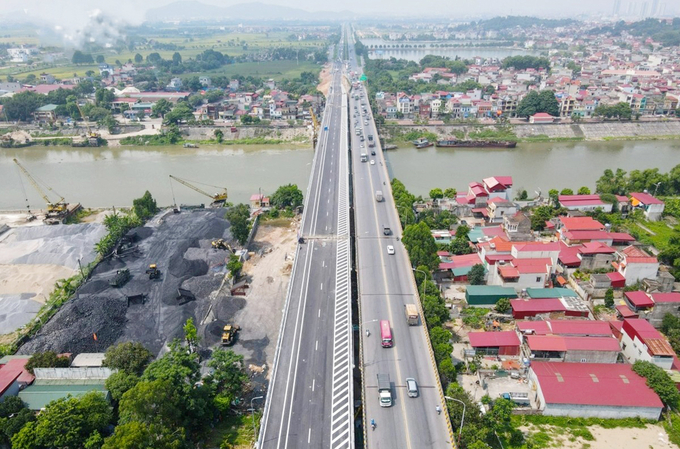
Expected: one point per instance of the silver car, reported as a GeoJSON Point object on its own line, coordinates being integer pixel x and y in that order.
{"type": "Point", "coordinates": [412, 387]}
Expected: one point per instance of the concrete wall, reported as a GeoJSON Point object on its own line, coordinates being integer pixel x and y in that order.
{"type": "Point", "coordinates": [591, 356]}
{"type": "Point", "coordinates": [597, 261]}
{"type": "Point", "coordinates": [601, 411]}
{"type": "Point", "coordinates": [634, 272]}
{"type": "Point", "coordinates": [634, 350]}
{"type": "Point", "coordinates": [72, 373]}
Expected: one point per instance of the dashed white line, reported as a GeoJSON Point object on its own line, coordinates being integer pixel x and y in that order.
{"type": "Point", "coordinates": [321, 286]}
{"type": "Point", "coordinates": [313, 384]}
{"type": "Point", "coordinates": [309, 435]}
{"type": "Point", "coordinates": [316, 347]}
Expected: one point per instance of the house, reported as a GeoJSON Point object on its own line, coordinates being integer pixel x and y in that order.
{"type": "Point", "coordinates": [587, 390]}
{"type": "Point", "coordinates": [596, 255]}
{"type": "Point", "coordinates": [569, 328]}
{"type": "Point", "coordinates": [653, 207]}
{"type": "Point", "coordinates": [505, 343]}
{"type": "Point", "coordinates": [541, 117]}
{"type": "Point", "coordinates": [527, 308]}
{"type": "Point", "coordinates": [47, 113]}
{"type": "Point", "coordinates": [497, 208]}
{"type": "Point", "coordinates": [640, 341]}
{"type": "Point", "coordinates": [174, 84]}
{"type": "Point", "coordinates": [485, 295]}
{"type": "Point", "coordinates": [653, 307]}
{"type": "Point", "coordinates": [635, 265]}
{"type": "Point", "coordinates": [517, 227]}
{"type": "Point", "coordinates": [458, 267]}
{"type": "Point", "coordinates": [557, 348]}
{"type": "Point", "coordinates": [14, 376]}
{"type": "Point", "coordinates": [584, 203]}
{"type": "Point", "coordinates": [258, 200]}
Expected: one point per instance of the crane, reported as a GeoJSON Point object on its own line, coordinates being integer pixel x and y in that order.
{"type": "Point", "coordinates": [57, 208]}
{"type": "Point", "coordinates": [218, 198]}
{"type": "Point", "coordinates": [316, 125]}
{"type": "Point", "coordinates": [90, 134]}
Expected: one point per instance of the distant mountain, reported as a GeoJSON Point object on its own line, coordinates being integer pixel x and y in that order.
{"type": "Point", "coordinates": [191, 10]}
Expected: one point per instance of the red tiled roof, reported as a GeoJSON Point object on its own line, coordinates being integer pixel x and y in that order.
{"type": "Point", "coordinates": [580, 327]}
{"type": "Point", "coordinates": [492, 339]}
{"type": "Point", "coordinates": [492, 231]}
{"type": "Point", "coordinates": [604, 384]}
{"type": "Point", "coordinates": [466, 260]}
{"type": "Point", "coordinates": [645, 198]}
{"type": "Point", "coordinates": [541, 305]}
{"type": "Point", "coordinates": [498, 182]}
{"type": "Point", "coordinates": [569, 255]}
{"type": "Point", "coordinates": [537, 327]}
{"type": "Point", "coordinates": [596, 248]}
{"type": "Point", "coordinates": [621, 237]}
{"type": "Point", "coordinates": [560, 343]}
{"type": "Point", "coordinates": [14, 371]}
{"type": "Point", "coordinates": [666, 297]}
{"type": "Point", "coordinates": [615, 276]}
{"type": "Point", "coordinates": [587, 235]}
{"type": "Point", "coordinates": [639, 299]}
{"type": "Point", "coordinates": [625, 311]}
{"type": "Point", "coordinates": [508, 271]}
{"type": "Point", "coordinates": [637, 255]}
{"type": "Point", "coordinates": [581, 224]}
{"type": "Point", "coordinates": [537, 246]}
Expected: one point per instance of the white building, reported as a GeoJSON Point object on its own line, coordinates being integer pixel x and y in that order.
{"type": "Point", "coordinates": [635, 265]}
{"type": "Point", "coordinates": [640, 341]}
{"type": "Point", "coordinates": [653, 207]}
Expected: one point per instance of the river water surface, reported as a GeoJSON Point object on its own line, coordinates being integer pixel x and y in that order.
{"type": "Point", "coordinates": [102, 177]}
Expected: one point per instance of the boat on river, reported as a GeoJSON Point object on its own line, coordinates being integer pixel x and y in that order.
{"type": "Point", "coordinates": [453, 143]}
{"type": "Point", "coordinates": [422, 143]}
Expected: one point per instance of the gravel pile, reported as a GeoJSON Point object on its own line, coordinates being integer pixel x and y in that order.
{"type": "Point", "coordinates": [180, 247]}
{"type": "Point", "coordinates": [17, 310]}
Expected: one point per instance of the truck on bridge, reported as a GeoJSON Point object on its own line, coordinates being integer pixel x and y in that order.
{"type": "Point", "coordinates": [411, 314]}
{"type": "Point", "coordinates": [384, 390]}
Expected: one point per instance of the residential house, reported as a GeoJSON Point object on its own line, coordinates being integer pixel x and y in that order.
{"type": "Point", "coordinates": [517, 227]}
{"type": "Point", "coordinates": [47, 113]}
{"type": "Point", "coordinates": [557, 348]}
{"type": "Point", "coordinates": [584, 203]}
{"type": "Point", "coordinates": [258, 200]}
{"type": "Point", "coordinates": [652, 206]}
{"type": "Point", "coordinates": [504, 343]}
{"type": "Point", "coordinates": [497, 208]}
{"type": "Point", "coordinates": [640, 341]}
{"type": "Point", "coordinates": [635, 265]}
{"type": "Point", "coordinates": [13, 376]}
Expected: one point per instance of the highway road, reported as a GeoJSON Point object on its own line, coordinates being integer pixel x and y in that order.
{"type": "Point", "coordinates": [310, 401]}
{"type": "Point", "coordinates": [386, 285]}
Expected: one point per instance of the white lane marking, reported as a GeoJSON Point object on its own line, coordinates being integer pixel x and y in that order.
{"type": "Point", "coordinates": [309, 435]}
{"type": "Point", "coordinates": [322, 286]}
{"type": "Point", "coordinates": [313, 384]}
{"type": "Point", "coordinates": [316, 347]}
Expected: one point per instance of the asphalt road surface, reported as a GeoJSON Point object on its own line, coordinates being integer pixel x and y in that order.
{"type": "Point", "coordinates": [386, 285]}
{"type": "Point", "coordinates": [309, 402]}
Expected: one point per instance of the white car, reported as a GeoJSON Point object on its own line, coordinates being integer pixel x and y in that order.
{"type": "Point", "coordinates": [390, 250]}
{"type": "Point", "coordinates": [361, 146]}
{"type": "Point", "coordinates": [372, 162]}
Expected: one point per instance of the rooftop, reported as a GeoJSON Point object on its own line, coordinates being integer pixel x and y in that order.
{"type": "Point", "coordinates": [645, 198]}
{"type": "Point", "coordinates": [639, 299]}
{"type": "Point", "coordinates": [562, 344]}
{"type": "Point", "coordinates": [551, 293]}
{"type": "Point", "coordinates": [491, 339]}
{"type": "Point", "coordinates": [603, 384]}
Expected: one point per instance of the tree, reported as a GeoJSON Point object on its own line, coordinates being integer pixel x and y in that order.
{"type": "Point", "coordinates": [136, 435]}
{"type": "Point", "coordinates": [181, 112]}
{"type": "Point", "coordinates": [476, 274]}
{"type": "Point", "coordinates": [436, 193]}
{"type": "Point", "coordinates": [288, 196]}
{"type": "Point", "coordinates": [535, 102]}
{"type": "Point", "coordinates": [176, 58]}
{"type": "Point", "coordinates": [191, 333]}
{"type": "Point", "coordinates": [450, 193]}
{"type": "Point", "coordinates": [120, 382]}
{"type": "Point", "coordinates": [609, 298]}
{"type": "Point", "coordinates": [100, 59]}
{"type": "Point", "coordinates": [238, 220]}
{"type": "Point", "coordinates": [234, 266]}
{"type": "Point", "coordinates": [219, 135]}
{"type": "Point", "coordinates": [47, 359]}
{"type": "Point", "coordinates": [659, 381]}
{"type": "Point", "coordinates": [228, 377]}
{"type": "Point", "coordinates": [131, 357]}
{"type": "Point", "coordinates": [161, 107]}
{"type": "Point", "coordinates": [584, 191]}
{"type": "Point", "coordinates": [104, 97]}
{"type": "Point", "coordinates": [66, 423]}
{"type": "Point", "coordinates": [152, 402]}
{"type": "Point", "coordinates": [139, 59]}
{"type": "Point", "coordinates": [503, 305]}
{"type": "Point", "coordinates": [22, 105]}
{"type": "Point", "coordinates": [13, 416]}
{"type": "Point", "coordinates": [144, 207]}
{"type": "Point", "coordinates": [82, 58]}
{"type": "Point", "coordinates": [540, 215]}
{"type": "Point", "coordinates": [420, 245]}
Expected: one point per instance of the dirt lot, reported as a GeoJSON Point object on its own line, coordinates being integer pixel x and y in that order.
{"type": "Point", "coordinates": [268, 272]}
{"type": "Point", "coordinates": [650, 437]}
{"type": "Point", "coordinates": [326, 77]}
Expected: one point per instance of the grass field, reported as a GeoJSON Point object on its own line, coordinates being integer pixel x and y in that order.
{"type": "Point", "coordinates": [662, 233]}
{"type": "Point", "coordinates": [235, 432]}
{"type": "Point", "coordinates": [276, 70]}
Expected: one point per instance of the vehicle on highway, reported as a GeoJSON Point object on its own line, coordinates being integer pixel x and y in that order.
{"type": "Point", "coordinates": [384, 390]}
{"type": "Point", "coordinates": [385, 334]}
{"type": "Point", "coordinates": [390, 250]}
{"type": "Point", "coordinates": [386, 230]}
{"type": "Point", "coordinates": [372, 152]}
{"type": "Point", "coordinates": [378, 195]}
{"type": "Point", "coordinates": [372, 161]}
{"type": "Point", "coordinates": [411, 314]}
{"type": "Point", "coordinates": [362, 146]}
{"type": "Point", "coordinates": [412, 387]}
{"type": "Point", "coordinates": [364, 157]}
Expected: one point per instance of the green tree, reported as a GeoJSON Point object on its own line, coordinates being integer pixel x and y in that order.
{"type": "Point", "coordinates": [131, 357]}
{"type": "Point", "coordinates": [161, 108]}
{"type": "Point", "coordinates": [104, 97]}
{"type": "Point", "coordinates": [584, 191]}
{"type": "Point", "coordinates": [503, 305]}
{"type": "Point", "coordinates": [100, 59]}
{"type": "Point", "coordinates": [191, 333]}
{"type": "Point", "coordinates": [66, 423]}
{"type": "Point", "coordinates": [144, 207]}
{"type": "Point", "coordinates": [176, 58]}
{"type": "Point", "coordinates": [13, 416]}
{"type": "Point", "coordinates": [22, 105]}
{"type": "Point", "coordinates": [139, 59]}
{"type": "Point", "coordinates": [181, 112]}
{"type": "Point", "coordinates": [535, 102]}
{"type": "Point", "coordinates": [228, 377]}
{"type": "Point", "coordinates": [566, 192]}
{"type": "Point", "coordinates": [137, 435]}
{"type": "Point", "coordinates": [436, 193]}
{"type": "Point", "coordinates": [219, 135]}
{"type": "Point", "coordinates": [540, 215]}
{"type": "Point", "coordinates": [450, 193]}
{"type": "Point", "coordinates": [234, 266]}
{"type": "Point", "coordinates": [81, 58]}
{"type": "Point", "coordinates": [476, 274]}
{"type": "Point", "coordinates": [120, 382]}
{"type": "Point", "coordinates": [609, 298]}
{"type": "Point", "coordinates": [420, 245]}
{"type": "Point", "coordinates": [287, 196]}
{"type": "Point", "coordinates": [47, 359]}
{"type": "Point", "coordinates": [238, 217]}
{"type": "Point", "coordinates": [152, 402]}
{"type": "Point", "coordinates": [659, 381]}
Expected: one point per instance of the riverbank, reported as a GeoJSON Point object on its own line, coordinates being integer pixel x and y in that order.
{"type": "Point", "coordinates": [554, 132]}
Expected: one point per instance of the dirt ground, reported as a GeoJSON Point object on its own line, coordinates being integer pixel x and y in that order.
{"type": "Point", "coordinates": [326, 77]}
{"type": "Point", "coordinates": [268, 272]}
{"type": "Point", "coordinates": [650, 437]}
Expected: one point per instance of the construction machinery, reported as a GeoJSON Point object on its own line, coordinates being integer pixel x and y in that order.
{"type": "Point", "coordinates": [57, 211]}
{"type": "Point", "coordinates": [221, 244]}
{"type": "Point", "coordinates": [92, 136]}
{"type": "Point", "coordinates": [184, 296]}
{"type": "Point", "coordinates": [229, 334]}
{"type": "Point", "coordinates": [153, 271]}
{"type": "Point", "coordinates": [218, 199]}
{"type": "Point", "coordinates": [120, 279]}
{"type": "Point", "coordinates": [315, 126]}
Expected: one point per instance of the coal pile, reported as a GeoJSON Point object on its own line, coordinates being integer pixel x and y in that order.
{"type": "Point", "coordinates": [180, 247]}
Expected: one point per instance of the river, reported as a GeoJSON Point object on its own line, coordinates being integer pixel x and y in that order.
{"type": "Point", "coordinates": [103, 177]}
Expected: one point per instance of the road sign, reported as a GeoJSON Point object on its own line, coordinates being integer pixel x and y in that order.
{"type": "Point", "coordinates": [362, 77]}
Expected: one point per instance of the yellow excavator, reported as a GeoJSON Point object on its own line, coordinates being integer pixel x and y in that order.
{"type": "Point", "coordinates": [315, 126]}
{"type": "Point", "coordinates": [92, 136]}
{"type": "Point", "coordinates": [55, 210]}
{"type": "Point", "coordinates": [218, 199]}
